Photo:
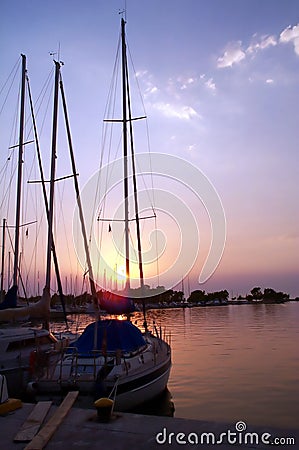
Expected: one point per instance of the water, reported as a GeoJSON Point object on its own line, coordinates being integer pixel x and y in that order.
{"type": "Point", "coordinates": [231, 363]}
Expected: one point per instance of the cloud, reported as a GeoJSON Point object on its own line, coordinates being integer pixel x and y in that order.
{"type": "Point", "coordinates": [210, 85]}
{"type": "Point", "coordinates": [235, 52]}
{"type": "Point", "coordinates": [186, 82]}
{"type": "Point", "coordinates": [291, 34]}
{"type": "Point", "coordinates": [166, 97]}
{"type": "Point", "coordinates": [263, 43]}
{"type": "Point", "coordinates": [151, 90]}
{"type": "Point", "coordinates": [179, 112]}
{"type": "Point", "coordinates": [146, 78]}
{"type": "Point", "coordinates": [141, 73]}
{"type": "Point", "coordinates": [232, 55]}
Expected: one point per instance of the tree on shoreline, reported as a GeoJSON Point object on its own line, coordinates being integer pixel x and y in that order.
{"type": "Point", "coordinates": [269, 295]}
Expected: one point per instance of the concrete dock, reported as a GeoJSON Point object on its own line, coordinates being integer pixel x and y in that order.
{"type": "Point", "coordinates": [81, 429]}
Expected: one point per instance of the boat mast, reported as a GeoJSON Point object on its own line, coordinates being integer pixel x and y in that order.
{"type": "Point", "coordinates": [52, 176]}
{"type": "Point", "coordinates": [125, 152]}
{"type": "Point", "coordinates": [78, 197]}
{"type": "Point", "coordinates": [127, 103]}
{"type": "Point", "coordinates": [141, 276]}
{"type": "Point", "coordinates": [55, 259]}
{"type": "Point", "coordinates": [20, 170]}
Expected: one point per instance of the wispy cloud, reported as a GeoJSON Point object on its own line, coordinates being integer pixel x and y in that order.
{"type": "Point", "coordinates": [175, 111]}
{"type": "Point", "coordinates": [150, 87]}
{"type": "Point", "coordinates": [209, 84]}
{"type": "Point", "coordinates": [262, 43]}
{"type": "Point", "coordinates": [235, 52]}
{"type": "Point", "coordinates": [291, 34]}
{"type": "Point", "coordinates": [185, 83]}
{"type": "Point", "coordinates": [170, 98]}
{"type": "Point", "coordinates": [232, 55]}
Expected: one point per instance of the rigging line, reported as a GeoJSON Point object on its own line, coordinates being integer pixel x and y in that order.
{"type": "Point", "coordinates": [136, 79]}
{"type": "Point", "coordinates": [111, 101]}
{"type": "Point", "coordinates": [16, 68]}
{"type": "Point", "coordinates": [6, 193]}
{"type": "Point", "coordinates": [41, 99]}
{"type": "Point", "coordinates": [61, 196]}
{"type": "Point", "coordinates": [19, 272]}
{"type": "Point", "coordinates": [43, 92]}
{"type": "Point", "coordinates": [152, 201]}
{"type": "Point", "coordinates": [50, 247]}
{"type": "Point", "coordinates": [157, 256]}
{"type": "Point", "coordinates": [110, 105]}
{"type": "Point", "coordinates": [134, 249]}
{"type": "Point", "coordinates": [33, 258]}
{"type": "Point", "coordinates": [134, 179]}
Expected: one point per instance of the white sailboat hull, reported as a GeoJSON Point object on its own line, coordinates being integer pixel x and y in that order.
{"type": "Point", "coordinates": [132, 381]}
{"type": "Point", "coordinates": [142, 394]}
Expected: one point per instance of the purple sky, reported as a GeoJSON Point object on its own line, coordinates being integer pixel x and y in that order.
{"type": "Point", "coordinates": [220, 86]}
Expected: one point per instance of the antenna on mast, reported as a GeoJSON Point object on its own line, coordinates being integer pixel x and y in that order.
{"type": "Point", "coordinates": [53, 54]}
{"type": "Point", "coordinates": [123, 11]}
{"type": "Point", "coordinates": [58, 55]}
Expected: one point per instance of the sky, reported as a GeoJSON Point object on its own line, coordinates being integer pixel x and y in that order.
{"type": "Point", "coordinates": [220, 87]}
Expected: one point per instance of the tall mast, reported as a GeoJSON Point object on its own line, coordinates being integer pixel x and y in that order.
{"type": "Point", "coordinates": [55, 259]}
{"type": "Point", "coordinates": [20, 170]}
{"type": "Point", "coordinates": [125, 152]}
{"type": "Point", "coordinates": [78, 197]}
{"type": "Point", "coordinates": [52, 176]}
{"type": "Point", "coordinates": [141, 276]}
{"type": "Point", "coordinates": [127, 104]}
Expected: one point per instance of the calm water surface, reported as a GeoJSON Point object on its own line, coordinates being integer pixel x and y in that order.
{"type": "Point", "coordinates": [231, 363]}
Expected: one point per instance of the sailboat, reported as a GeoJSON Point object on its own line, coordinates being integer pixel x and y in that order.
{"type": "Point", "coordinates": [113, 358]}
{"type": "Point", "coordinates": [18, 343]}
{"type": "Point", "coordinates": [21, 347]}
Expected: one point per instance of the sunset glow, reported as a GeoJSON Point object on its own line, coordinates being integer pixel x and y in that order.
{"type": "Point", "coordinates": [220, 88]}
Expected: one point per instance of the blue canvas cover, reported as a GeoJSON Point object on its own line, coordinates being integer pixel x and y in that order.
{"type": "Point", "coordinates": [112, 335]}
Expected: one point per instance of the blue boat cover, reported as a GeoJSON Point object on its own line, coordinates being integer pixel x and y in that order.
{"type": "Point", "coordinates": [112, 335]}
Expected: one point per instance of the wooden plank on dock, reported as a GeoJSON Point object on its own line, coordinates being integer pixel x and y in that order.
{"type": "Point", "coordinates": [33, 422]}
{"type": "Point", "coordinates": [10, 405]}
{"type": "Point", "coordinates": [45, 434]}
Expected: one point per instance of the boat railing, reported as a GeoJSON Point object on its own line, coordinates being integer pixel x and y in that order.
{"type": "Point", "coordinates": [70, 357]}
{"type": "Point", "coordinates": [163, 335]}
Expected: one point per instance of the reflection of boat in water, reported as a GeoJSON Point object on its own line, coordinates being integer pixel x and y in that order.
{"type": "Point", "coordinates": [162, 405]}
{"type": "Point", "coordinates": [113, 358]}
